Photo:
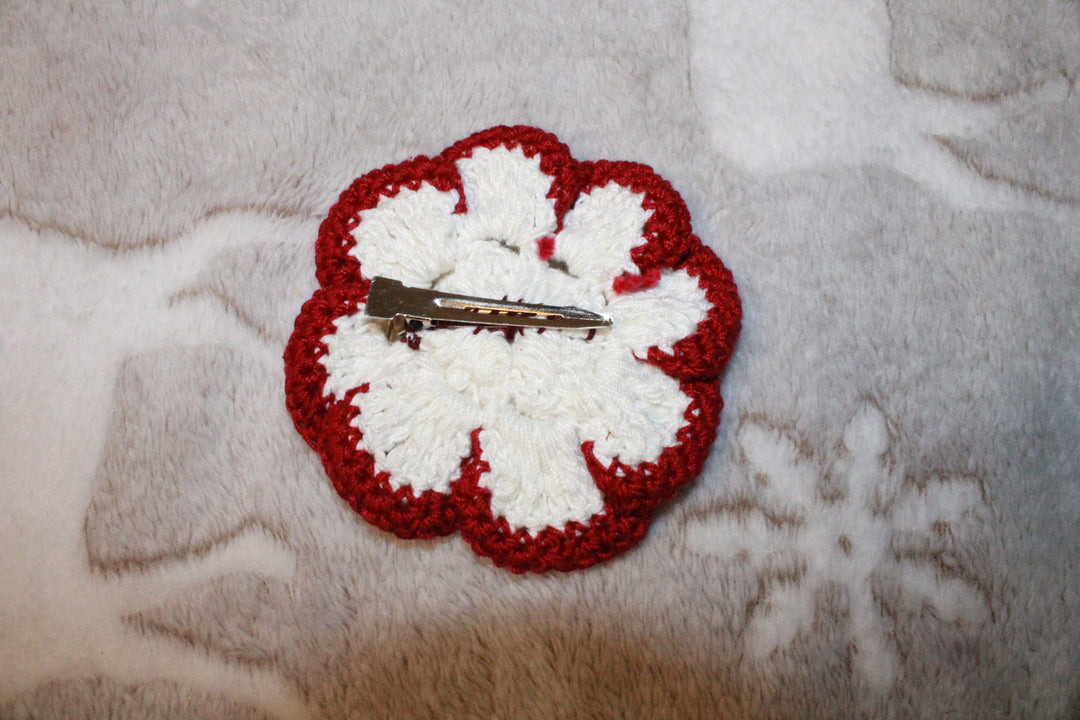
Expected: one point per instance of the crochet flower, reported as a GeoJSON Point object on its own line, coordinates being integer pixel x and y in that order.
{"type": "Point", "coordinates": [547, 449]}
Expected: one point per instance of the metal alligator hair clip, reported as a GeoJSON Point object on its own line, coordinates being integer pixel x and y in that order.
{"type": "Point", "coordinates": [391, 300]}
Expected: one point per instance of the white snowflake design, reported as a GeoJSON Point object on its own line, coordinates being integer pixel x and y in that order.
{"type": "Point", "coordinates": [806, 524]}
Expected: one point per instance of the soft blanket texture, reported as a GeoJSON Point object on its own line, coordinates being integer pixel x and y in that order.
{"type": "Point", "coordinates": [886, 526]}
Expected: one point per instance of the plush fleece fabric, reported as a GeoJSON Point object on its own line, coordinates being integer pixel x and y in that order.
{"type": "Point", "coordinates": [886, 525]}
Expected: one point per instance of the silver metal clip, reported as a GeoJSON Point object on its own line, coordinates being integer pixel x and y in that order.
{"type": "Point", "coordinates": [391, 300]}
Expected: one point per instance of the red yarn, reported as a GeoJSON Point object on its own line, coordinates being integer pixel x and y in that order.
{"type": "Point", "coordinates": [630, 493]}
{"type": "Point", "coordinates": [629, 283]}
{"type": "Point", "coordinates": [545, 247]}
{"type": "Point", "coordinates": [555, 159]}
{"type": "Point", "coordinates": [326, 424]}
{"type": "Point", "coordinates": [333, 263]}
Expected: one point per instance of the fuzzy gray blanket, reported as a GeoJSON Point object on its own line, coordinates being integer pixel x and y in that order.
{"type": "Point", "coordinates": [886, 525]}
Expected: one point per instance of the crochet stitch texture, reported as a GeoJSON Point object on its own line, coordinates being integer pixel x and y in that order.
{"type": "Point", "coordinates": [547, 450]}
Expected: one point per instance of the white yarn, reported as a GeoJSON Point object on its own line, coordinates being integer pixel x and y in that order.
{"type": "Point", "coordinates": [410, 236]}
{"type": "Point", "coordinates": [536, 399]}
{"type": "Point", "coordinates": [599, 233]}
{"type": "Point", "coordinates": [506, 194]}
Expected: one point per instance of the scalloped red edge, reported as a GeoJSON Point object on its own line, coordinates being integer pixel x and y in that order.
{"type": "Point", "coordinates": [631, 493]}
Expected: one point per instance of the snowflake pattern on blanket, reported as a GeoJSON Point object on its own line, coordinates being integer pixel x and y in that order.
{"type": "Point", "coordinates": [805, 525]}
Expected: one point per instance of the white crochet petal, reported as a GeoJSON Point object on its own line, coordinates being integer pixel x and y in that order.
{"type": "Point", "coordinates": [599, 232]}
{"type": "Point", "coordinates": [409, 237]}
{"type": "Point", "coordinates": [641, 410]}
{"type": "Point", "coordinates": [537, 478]}
{"type": "Point", "coordinates": [506, 193]}
{"type": "Point", "coordinates": [414, 425]}
{"type": "Point", "coordinates": [660, 315]}
{"type": "Point", "coordinates": [416, 428]}
{"type": "Point", "coordinates": [358, 353]}
{"type": "Point", "coordinates": [630, 409]}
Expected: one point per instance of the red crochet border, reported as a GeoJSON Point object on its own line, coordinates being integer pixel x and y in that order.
{"type": "Point", "coordinates": [325, 423]}
{"type": "Point", "coordinates": [630, 492]}
{"type": "Point", "coordinates": [617, 528]}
